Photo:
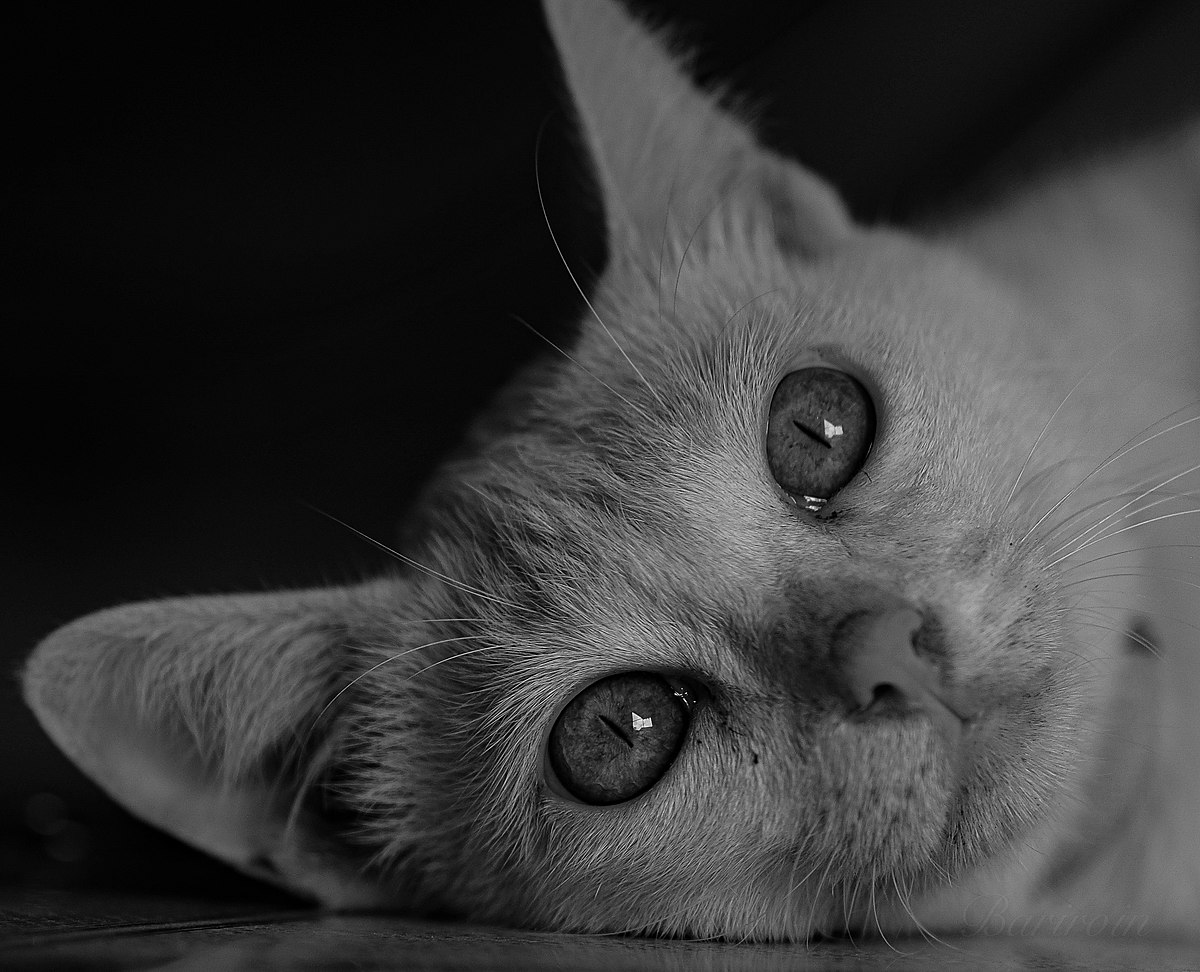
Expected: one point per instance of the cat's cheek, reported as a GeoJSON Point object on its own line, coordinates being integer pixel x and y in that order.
{"type": "Point", "coordinates": [601, 869]}
{"type": "Point", "coordinates": [653, 862]}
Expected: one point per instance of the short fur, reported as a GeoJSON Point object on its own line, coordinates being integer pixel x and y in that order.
{"type": "Point", "coordinates": [1034, 369]}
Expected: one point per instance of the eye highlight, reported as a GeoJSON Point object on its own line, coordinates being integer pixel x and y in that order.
{"type": "Point", "coordinates": [819, 430]}
{"type": "Point", "coordinates": [618, 737]}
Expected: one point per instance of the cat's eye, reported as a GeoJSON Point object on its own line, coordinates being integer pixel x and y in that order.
{"type": "Point", "coordinates": [617, 737]}
{"type": "Point", "coordinates": [819, 430]}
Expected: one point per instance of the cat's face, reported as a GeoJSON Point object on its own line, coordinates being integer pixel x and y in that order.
{"type": "Point", "coordinates": [638, 527]}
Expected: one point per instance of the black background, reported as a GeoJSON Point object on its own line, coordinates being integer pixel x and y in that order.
{"type": "Point", "coordinates": [263, 259]}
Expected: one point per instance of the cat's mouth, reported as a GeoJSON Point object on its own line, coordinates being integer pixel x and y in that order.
{"type": "Point", "coordinates": [952, 715]}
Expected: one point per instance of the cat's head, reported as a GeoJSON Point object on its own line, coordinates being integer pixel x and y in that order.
{"type": "Point", "coordinates": [726, 625]}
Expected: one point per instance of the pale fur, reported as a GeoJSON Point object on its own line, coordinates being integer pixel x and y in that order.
{"type": "Point", "coordinates": [383, 745]}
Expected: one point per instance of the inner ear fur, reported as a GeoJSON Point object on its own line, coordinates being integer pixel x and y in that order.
{"type": "Point", "coordinates": [666, 154]}
{"type": "Point", "coordinates": [208, 717]}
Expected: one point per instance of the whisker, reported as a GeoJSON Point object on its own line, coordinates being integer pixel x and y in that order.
{"type": "Point", "coordinates": [1135, 442]}
{"type": "Point", "coordinates": [721, 199]}
{"type": "Point", "coordinates": [1091, 371]}
{"type": "Point", "coordinates": [1099, 524]}
{"type": "Point", "coordinates": [1125, 610]}
{"type": "Point", "coordinates": [1043, 476]}
{"type": "Point", "coordinates": [875, 911]}
{"type": "Point", "coordinates": [1117, 533]}
{"type": "Point", "coordinates": [816, 901]}
{"type": "Point", "coordinates": [849, 894]}
{"type": "Point", "coordinates": [537, 174]}
{"type": "Point", "coordinates": [415, 564]}
{"type": "Point", "coordinates": [903, 899]}
{"type": "Point", "coordinates": [1053, 415]}
{"type": "Point", "coordinates": [1126, 632]}
{"type": "Point", "coordinates": [729, 320]}
{"type": "Point", "coordinates": [1154, 575]}
{"type": "Point", "coordinates": [1107, 497]}
{"type": "Point", "coordinates": [575, 361]}
{"type": "Point", "coordinates": [387, 661]}
{"type": "Point", "coordinates": [662, 246]}
{"type": "Point", "coordinates": [1127, 551]}
{"type": "Point", "coordinates": [456, 657]}
{"type": "Point", "coordinates": [793, 884]}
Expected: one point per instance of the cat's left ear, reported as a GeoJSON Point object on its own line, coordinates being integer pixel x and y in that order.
{"type": "Point", "coordinates": [667, 156]}
{"type": "Point", "coordinates": [216, 719]}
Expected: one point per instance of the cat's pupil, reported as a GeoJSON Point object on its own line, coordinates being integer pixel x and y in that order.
{"type": "Point", "coordinates": [618, 737]}
{"type": "Point", "coordinates": [819, 431]}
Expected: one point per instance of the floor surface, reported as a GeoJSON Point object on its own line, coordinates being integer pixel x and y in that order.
{"type": "Point", "coordinates": [64, 931]}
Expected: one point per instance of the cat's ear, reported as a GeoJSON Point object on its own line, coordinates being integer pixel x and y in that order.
{"type": "Point", "coordinates": [207, 717]}
{"type": "Point", "coordinates": [666, 154]}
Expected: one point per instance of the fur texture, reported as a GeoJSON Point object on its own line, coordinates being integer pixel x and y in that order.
{"type": "Point", "coordinates": [1028, 495]}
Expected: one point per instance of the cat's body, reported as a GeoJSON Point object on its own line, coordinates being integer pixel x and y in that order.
{"type": "Point", "coordinates": [953, 690]}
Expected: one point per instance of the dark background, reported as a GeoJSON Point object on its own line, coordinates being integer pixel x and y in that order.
{"type": "Point", "coordinates": [259, 259]}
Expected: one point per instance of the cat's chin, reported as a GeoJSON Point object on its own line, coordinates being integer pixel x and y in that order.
{"type": "Point", "coordinates": [897, 786]}
{"type": "Point", "coordinates": [917, 801]}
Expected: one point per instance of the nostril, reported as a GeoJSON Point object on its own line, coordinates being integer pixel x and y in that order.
{"type": "Point", "coordinates": [884, 699]}
{"type": "Point", "coordinates": [883, 692]}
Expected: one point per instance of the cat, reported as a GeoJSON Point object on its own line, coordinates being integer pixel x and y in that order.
{"type": "Point", "coordinates": [833, 580]}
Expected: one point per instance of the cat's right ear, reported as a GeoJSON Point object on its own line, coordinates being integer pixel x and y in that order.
{"type": "Point", "coordinates": [666, 154]}
{"type": "Point", "coordinates": [219, 719]}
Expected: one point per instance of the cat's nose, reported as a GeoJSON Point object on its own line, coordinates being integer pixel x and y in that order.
{"type": "Point", "coordinates": [881, 672]}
